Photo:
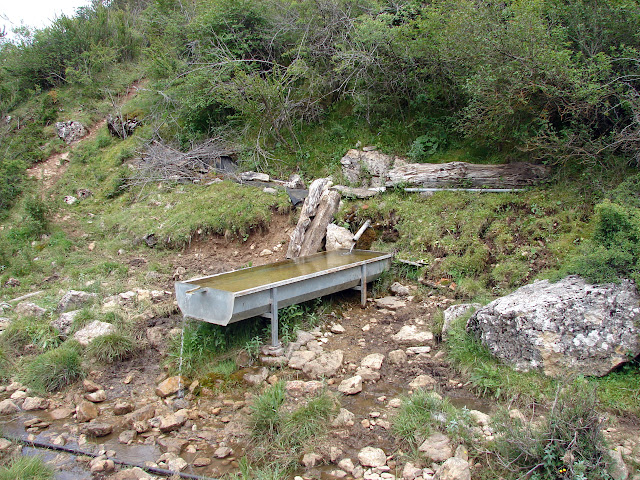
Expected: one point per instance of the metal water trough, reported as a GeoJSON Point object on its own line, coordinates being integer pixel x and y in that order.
{"type": "Point", "coordinates": [259, 291]}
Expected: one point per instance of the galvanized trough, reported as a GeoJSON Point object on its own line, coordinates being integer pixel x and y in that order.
{"type": "Point", "coordinates": [259, 291]}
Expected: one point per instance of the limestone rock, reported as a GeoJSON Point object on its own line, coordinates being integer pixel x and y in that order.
{"type": "Point", "coordinates": [300, 358]}
{"type": "Point", "coordinates": [325, 365]}
{"type": "Point", "coordinates": [338, 238]}
{"type": "Point", "coordinates": [344, 419]}
{"type": "Point", "coordinates": [92, 331]}
{"type": "Point", "coordinates": [75, 299]}
{"type": "Point", "coordinates": [412, 335]}
{"type": "Point", "coordinates": [410, 471]}
{"type": "Point", "coordinates": [70, 131]}
{"type": "Point", "coordinates": [337, 328]}
{"type": "Point", "coordinates": [300, 388]}
{"type": "Point", "coordinates": [7, 407]}
{"type": "Point", "coordinates": [64, 322]}
{"type": "Point", "coordinates": [254, 177]}
{"type": "Point", "coordinates": [351, 386]}
{"type": "Point", "coordinates": [127, 436]}
{"type": "Point", "coordinates": [61, 413]}
{"type": "Point", "coordinates": [310, 460]}
{"type": "Point", "coordinates": [372, 361]}
{"type": "Point", "coordinates": [258, 377]}
{"type": "Point", "coordinates": [397, 357]}
{"type": "Point", "coordinates": [568, 326]}
{"type": "Point", "coordinates": [437, 447]}
{"type": "Point", "coordinates": [347, 465]}
{"type": "Point", "coordinates": [390, 303]}
{"type": "Point", "coordinates": [479, 418]}
{"type": "Point", "coordinates": [423, 381]}
{"type": "Point", "coordinates": [617, 468]}
{"type": "Point", "coordinates": [372, 457]}
{"type": "Point", "coordinates": [201, 462]}
{"type": "Point", "coordinates": [368, 375]}
{"type": "Point", "coordinates": [172, 445]}
{"type": "Point", "coordinates": [170, 386]}
{"type": "Point", "coordinates": [122, 407]}
{"type": "Point", "coordinates": [35, 403]}
{"type": "Point", "coordinates": [453, 469]}
{"type": "Point", "coordinates": [456, 311]}
{"type": "Point", "coordinates": [86, 411]}
{"type": "Point", "coordinates": [135, 473]}
{"type": "Point", "coordinates": [223, 452]}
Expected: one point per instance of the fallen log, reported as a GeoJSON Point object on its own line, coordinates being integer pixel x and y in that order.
{"type": "Point", "coordinates": [462, 174]}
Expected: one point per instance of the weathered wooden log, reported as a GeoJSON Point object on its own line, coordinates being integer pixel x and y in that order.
{"type": "Point", "coordinates": [309, 209]}
{"type": "Point", "coordinates": [316, 232]}
{"type": "Point", "coordinates": [511, 175]}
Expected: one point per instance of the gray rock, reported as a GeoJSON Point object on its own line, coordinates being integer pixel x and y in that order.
{"type": "Point", "coordinates": [372, 457]}
{"type": "Point", "coordinates": [172, 445]}
{"type": "Point", "coordinates": [568, 326]}
{"type": "Point", "coordinates": [368, 375]}
{"type": "Point", "coordinates": [437, 447]}
{"type": "Point", "coordinates": [28, 309]}
{"type": "Point", "coordinates": [412, 335]}
{"type": "Point", "coordinates": [171, 422]}
{"type": "Point", "coordinates": [325, 365]}
{"type": "Point", "coordinates": [399, 289]}
{"type": "Point", "coordinates": [347, 465]}
{"type": "Point", "coordinates": [617, 469]}
{"type": "Point", "coordinates": [351, 386]}
{"type": "Point", "coordinates": [127, 436]}
{"type": "Point", "coordinates": [338, 238]}
{"type": "Point", "coordinates": [254, 176]}
{"type": "Point", "coordinates": [92, 331]}
{"type": "Point", "coordinates": [456, 311]}
{"type": "Point", "coordinates": [135, 473]}
{"type": "Point", "coordinates": [300, 388]}
{"type": "Point", "coordinates": [453, 469]}
{"type": "Point", "coordinates": [64, 322]}
{"type": "Point", "coordinates": [75, 299]}
{"type": "Point", "coordinates": [366, 168]}
{"type": "Point", "coordinates": [70, 131]}
{"type": "Point", "coordinates": [223, 452]}
{"type": "Point", "coordinates": [390, 303]}
{"type": "Point", "coordinates": [410, 471]}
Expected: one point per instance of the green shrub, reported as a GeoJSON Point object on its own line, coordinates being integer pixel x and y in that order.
{"type": "Point", "coordinates": [12, 173]}
{"type": "Point", "coordinates": [54, 369]}
{"type": "Point", "coordinates": [112, 347]}
{"type": "Point", "coordinates": [567, 444]}
{"type": "Point", "coordinates": [27, 468]}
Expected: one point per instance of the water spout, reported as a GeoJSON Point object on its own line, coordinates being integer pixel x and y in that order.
{"type": "Point", "coordinates": [359, 233]}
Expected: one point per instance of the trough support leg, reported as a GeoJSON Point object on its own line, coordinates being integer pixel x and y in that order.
{"type": "Point", "coordinates": [363, 285]}
{"type": "Point", "coordinates": [274, 318]}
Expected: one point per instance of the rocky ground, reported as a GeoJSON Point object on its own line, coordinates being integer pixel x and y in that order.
{"type": "Point", "coordinates": [134, 412]}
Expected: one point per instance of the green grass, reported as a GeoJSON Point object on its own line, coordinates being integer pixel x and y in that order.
{"type": "Point", "coordinates": [486, 243]}
{"type": "Point", "coordinates": [279, 434]}
{"type": "Point", "coordinates": [26, 468]}
{"type": "Point", "coordinates": [54, 369]}
{"type": "Point", "coordinates": [424, 413]}
{"type": "Point", "coordinates": [25, 331]}
{"type": "Point", "coordinates": [112, 347]}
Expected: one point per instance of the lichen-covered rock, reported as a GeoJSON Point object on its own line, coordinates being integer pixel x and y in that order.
{"type": "Point", "coordinates": [561, 327]}
{"type": "Point", "coordinates": [366, 168]}
{"type": "Point", "coordinates": [74, 299]}
{"type": "Point", "coordinates": [64, 322]}
{"type": "Point", "coordinates": [453, 469]}
{"type": "Point", "coordinates": [70, 131]}
{"type": "Point", "coordinates": [456, 311]}
{"type": "Point", "coordinates": [372, 457]}
{"type": "Point", "coordinates": [92, 331]}
{"type": "Point", "coordinates": [338, 238]}
{"type": "Point", "coordinates": [28, 309]}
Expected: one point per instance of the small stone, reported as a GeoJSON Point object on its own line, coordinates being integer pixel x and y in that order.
{"type": "Point", "coordinates": [122, 407]}
{"type": "Point", "coordinates": [5, 444]}
{"type": "Point", "coordinates": [399, 289]}
{"type": "Point", "coordinates": [223, 452]}
{"type": "Point", "coordinates": [172, 445]}
{"type": "Point", "coordinates": [127, 436]}
{"type": "Point", "coordinates": [344, 419]}
{"type": "Point", "coordinates": [412, 335]}
{"type": "Point", "coordinates": [61, 413]}
{"type": "Point", "coordinates": [372, 457]}
{"type": "Point", "coordinates": [95, 329]}
{"type": "Point", "coordinates": [479, 418]}
{"type": "Point", "coordinates": [256, 378]}
{"type": "Point", "coordinates": [90, 386]}
{"type": "Point", "coordinates": [334, 454]}
{"type": "Point", "coordinates": [86, 411]}
{"type": "Point", "coordinates": [453, 469]}
{"type": "Point", "coordinates": [310, 460]}
{"type": "Point", "coordinates": [338, 473]}
{"type": "Point", "coordinates": [372, 361]}
{"type": "Point", "coordinates": [365, 423]}
{"type": "Point", "coordinates": [397, 357]}
{"type": "Point", "coordinates": [437, 447]}
{"type": "Point", "coordinates": [395, 403]}
{"type": "Point", "coordinates": [422, 381]}
{"type": "Point", "coordinates": [171, 422]}
{"type": "Point", "coordinates": [351, 386]}
{"type": "Point", "coordinates": [337, 328]}
{"type": "Point", "coordinates": [170, 386]}
{"type": "Point", "coordinates": [96, 397]}
{"type": "Point", "coordinates": [98, 429]}
{"type": "Point", "coordinates": [462, 453]}
{"type": "Point", "coordinates": [347, 465]}
{"type": "Point", "coordinates": [266, 253]}
{"type": "Point", "coordinates": [201, 462]}
{"type": "Point", "coordinates": [177, 464]}
{"type": "Point", "coordinates": [390, 303]}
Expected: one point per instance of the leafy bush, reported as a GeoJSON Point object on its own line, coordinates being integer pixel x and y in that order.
{"type": "Point", "coordinates": [54, 369]}
{"type": "Point", "coordinates": [567, 444]}
{"type": "Point", "coordinates": [112, 347]}
{"type": "Point", "coordinates": [12, 174]}
{"type": "Point", "coordinates": [27, 468]}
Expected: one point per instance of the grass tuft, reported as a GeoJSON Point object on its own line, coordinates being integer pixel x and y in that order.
{"type": "Point", "coordinates": [54, 369]}
{"type": "Point", "coordinates": [112, 347]}
{"type": "Point", "coordinates": [26, 468]}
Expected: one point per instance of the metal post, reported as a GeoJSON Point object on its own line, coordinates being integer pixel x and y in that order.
{"type": "Point", "coordinates": [363, 285]}
{"type": "Point", "coordinates": [274, 317]}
